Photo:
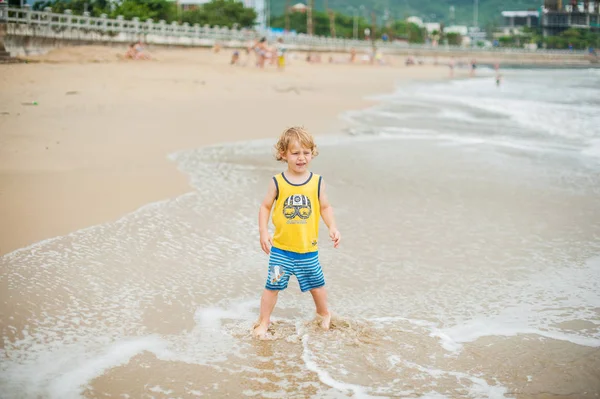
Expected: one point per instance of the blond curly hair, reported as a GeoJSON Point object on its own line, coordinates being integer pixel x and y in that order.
{"type": "Point", "coordinates": [291, 134]}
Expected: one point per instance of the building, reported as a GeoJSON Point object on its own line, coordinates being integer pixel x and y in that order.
{"type": "Point", "coordinates": [459, 29]}
{"type": "Point", "coordinates": [477, 36]}
{"type": "Point", "coordinates": [515, 21]}
{"type": "Point", "coordinates": [432, 27]}
{"type": "Point", "coordinates": [559, 15]}
{"type": "Point", "coordinates": [570, 5]}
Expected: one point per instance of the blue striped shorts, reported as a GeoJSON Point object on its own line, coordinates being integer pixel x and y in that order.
{"type": "Point", "coordinates": [284, 264]}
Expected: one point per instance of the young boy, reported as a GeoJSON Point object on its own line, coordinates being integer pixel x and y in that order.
{"type": "Point", "coordinates": [300, 200]}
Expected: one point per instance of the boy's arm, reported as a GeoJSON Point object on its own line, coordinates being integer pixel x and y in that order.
{"type": "Point", "coordinates": [263, 217]}
{"type": "Point", "coordinates": [327, 215]}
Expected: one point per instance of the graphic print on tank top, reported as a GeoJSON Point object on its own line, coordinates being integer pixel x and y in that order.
{"type": "Point", "coordinates": [297, 208]}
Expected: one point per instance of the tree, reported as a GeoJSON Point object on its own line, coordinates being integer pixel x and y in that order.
{"type": "Point", "coordinates": [507, 41]}
{"type": "Point", "coordinates": [143, 9]}
{"type": "Point", "coordinates": [454, 39]}
{"type": "Point", "coordinates": [217, 12]}
{"type": "Point", "coordinates": [95, 8]}
{"type": "Point", "coordinates": [435, 10]}
{"type": "Point", "coordinates": [344, 24]}
{"type": "Point", "coordinates": [222, 13]}
{"type": "Point", "coordinates": [146, 9]}
{"type": "Point", "coordinates": [409, 31]}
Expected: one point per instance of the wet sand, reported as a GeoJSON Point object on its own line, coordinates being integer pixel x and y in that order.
{"type": "Point", "coordinates": [95, 147]}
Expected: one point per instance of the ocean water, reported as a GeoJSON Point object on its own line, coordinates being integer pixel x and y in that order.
{"type": "Point", "coordinates": [469, 267]}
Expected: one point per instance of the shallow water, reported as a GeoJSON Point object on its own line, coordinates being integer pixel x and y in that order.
{"type": "Point", "coordinates": [470, 265]}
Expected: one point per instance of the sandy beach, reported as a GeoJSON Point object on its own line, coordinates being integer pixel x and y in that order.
{"type": "Point", "coordinates": [95, 147]}
{"type": "Point", "coordinates": [469, 211]}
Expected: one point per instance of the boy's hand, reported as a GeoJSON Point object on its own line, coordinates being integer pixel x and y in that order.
{"type": "Point", "coordinates": [266, 243]}
{"type": "Point", "coordinates": [335, 236]}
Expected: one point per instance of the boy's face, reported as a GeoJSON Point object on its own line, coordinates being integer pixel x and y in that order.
{"type": "Point", "coordinates": [297, 157]}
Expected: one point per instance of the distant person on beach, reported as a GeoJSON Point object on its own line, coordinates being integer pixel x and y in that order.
{"type": "Point", "coordinates": [140, 52]}
{"type": "Point", "coordinates": [352, 55]}
{"type": "Point", "coordinates": [451, 65]}
{"type": "Point", "coordinates": [260, 48]}
{"type": "Point", "coordinates": [280, 50]}
{"type": "Point", "coordinates": [235, 58]}
{"type": "Point", "coordinates": [131, 54]}
{"type": "Point", "coordinates": [473, 67]}
{"type": "Point", "coordinates": [313, 58]}
{"type": "Point", "coordinates": [136, 52]}
{"type": "Point", "coordinates": [300, 199]}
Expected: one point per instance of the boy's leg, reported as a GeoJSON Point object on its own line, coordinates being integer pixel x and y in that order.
{"type": "Point", "coordinates": [320, 297]}
{"type": "Point", "coordinates": [310, 277]}
{"type": "Point", "coordinates": [267, 304]}
{"type": "Point", "coordinates": [280, 269]}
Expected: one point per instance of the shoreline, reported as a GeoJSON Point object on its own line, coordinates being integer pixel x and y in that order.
{"type": "Point", "coordinates": [81, 159]}
{"type": "Point", "coordinates": [161, 300]}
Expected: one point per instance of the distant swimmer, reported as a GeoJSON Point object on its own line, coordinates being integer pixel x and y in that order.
{"type": "Point", "coordinates": [498, 74]}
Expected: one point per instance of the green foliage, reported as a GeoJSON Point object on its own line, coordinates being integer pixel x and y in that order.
{"type": "Point", "coordinates": [344, 26]}
{"type": "Point", "coordinates": [94, 7]}
{"type": "Point", "coordinates": [231, 12]}
{"type": "Point", "coordinates": [454, 39]}
{"type": "Point", "coordinates": [146, 9]}
{"type": "Point", "coordinates": [580, 39]}
{"type": "Point", "coordinates": [555, 42]}
{"type": "Point", "coordinates": [221, 13]}
{"type": "Point", "coordinates": [408, 31]}
{"type": "Point", "coordinates": [429, 10]}
{"type": "Point", "coordinates": [508, 41]}
{"type": "Point", "coordinates": [217, 12]}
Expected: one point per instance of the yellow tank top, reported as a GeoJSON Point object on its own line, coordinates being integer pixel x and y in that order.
{"type": "Point", "coordinates": [296, 214]}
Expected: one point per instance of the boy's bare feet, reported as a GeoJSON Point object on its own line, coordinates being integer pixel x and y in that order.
{"type": "Point", "coordinates": [325, 321]}
{"type": "Point", "coordinates": [260, 331]}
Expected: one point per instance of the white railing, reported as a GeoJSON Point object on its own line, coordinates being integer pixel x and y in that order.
{"type": "Point", "coordinates": [27, 22]}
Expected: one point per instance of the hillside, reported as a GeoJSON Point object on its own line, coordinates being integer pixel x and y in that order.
{"type": "Point", "coordinates": [429, 10]}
